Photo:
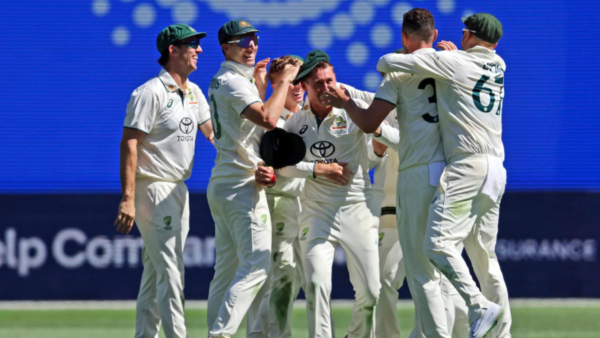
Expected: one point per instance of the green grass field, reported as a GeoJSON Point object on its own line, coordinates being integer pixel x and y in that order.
{"type": "Point", "coordinates": [529, 322]}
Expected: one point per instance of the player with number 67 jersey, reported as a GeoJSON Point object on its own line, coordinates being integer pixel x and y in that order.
{"type": "Point", "coordinates": [466, 207]}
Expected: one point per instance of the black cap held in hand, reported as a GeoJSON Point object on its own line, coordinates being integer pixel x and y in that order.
{"type": "Point", "coordinates": [279, 149]}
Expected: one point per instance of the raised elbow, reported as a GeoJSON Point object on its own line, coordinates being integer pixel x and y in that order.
{"type": "Point", "coordinates": [270, 123]}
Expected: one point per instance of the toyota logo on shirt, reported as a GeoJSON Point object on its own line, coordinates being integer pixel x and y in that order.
{"type": "Point", "coordinates": [186, 125]}
{"type": "Point", "coordinates": [322, 149]}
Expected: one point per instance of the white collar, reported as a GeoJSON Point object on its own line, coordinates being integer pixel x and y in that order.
{"type": "Point", "coordinates": [243, 70]}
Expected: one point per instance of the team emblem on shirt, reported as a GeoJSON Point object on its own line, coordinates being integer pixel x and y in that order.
{"type": "Point", "coordinates": [279, 226]}
{"type": "Point", "coordinates": [381, 235]}
{"type": "Point", "coordinates": [167, 221]}
{"type": "Point", "coordinates": [263, 218]}
{"type": "Point", "coordinates": [339, 127]}
{"type": "Point", "coordinates": [186, 125]}
{"type": "Point", "coordinates": [304, 232]}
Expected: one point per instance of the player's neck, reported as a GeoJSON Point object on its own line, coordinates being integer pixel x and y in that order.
{"type": "Point", "coordinates": [320, 111]}
{"type": "Point", "coordinates": [419, 45]}
{"type": "Point", "coordinates": [180, 77]}
{"type": "Point", "coordinates": [292, 106]}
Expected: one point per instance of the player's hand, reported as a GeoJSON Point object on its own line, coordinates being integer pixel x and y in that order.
{"type": "Point", "coordinates": [126, 216]}
{"type": "Point", "coordinates": [446, 45]}
{"type": "Point", "coordinates": [334, 96]}
{"type": "Point", "coordinates": [265, 176]}
{"type": "Point", "coordinates": [337, 173]}
{"type": "Point", "coordinates": [379, 148]}
{"type": "Point", "coordinates": [211, 138]}
{"type": "Point", "coordinates": [290, 71]}
{"type": "Point", "coordinates": [260, 73]}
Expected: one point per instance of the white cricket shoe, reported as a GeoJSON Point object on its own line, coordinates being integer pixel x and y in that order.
{"type": "Point", "coordinates": [484, 325]}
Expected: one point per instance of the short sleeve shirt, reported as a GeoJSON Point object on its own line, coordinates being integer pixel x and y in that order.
{"type": "Point", "coordinates": [237, 139]}
{"type": "Point", "coordinates": [170, 117]}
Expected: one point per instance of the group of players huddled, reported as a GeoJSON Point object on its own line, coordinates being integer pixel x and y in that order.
{"type": "Point", "coordinates": [291, 182]}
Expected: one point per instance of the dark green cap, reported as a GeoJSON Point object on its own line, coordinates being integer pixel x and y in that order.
{"type": "Point", "coordinates": [310, 61]}
{"type": "Point", "coordinates": [174, 33]}
{"type": "Point", "coordinates": [233, 28]}
{"type": "Point", "coordinates": [484, 26]}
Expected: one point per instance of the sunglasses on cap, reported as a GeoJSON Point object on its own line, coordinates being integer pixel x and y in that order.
{"type": "Point", "coordinates": [191, 44]}
{"type": "Point", "coordinates": [245, 41]}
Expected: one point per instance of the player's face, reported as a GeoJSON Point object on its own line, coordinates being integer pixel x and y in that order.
{"type": "Point", "coordinates": [295, 94]}
{"type": "Point", "coordinates": [187, 53]}
{"type": "Point", "coordinates": [317, 83]}
{"type": "Point", "coordinates": [239, 54]}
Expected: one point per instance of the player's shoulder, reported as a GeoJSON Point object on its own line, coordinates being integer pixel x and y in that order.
{"type": "Point", "coordinates": [154, 85]}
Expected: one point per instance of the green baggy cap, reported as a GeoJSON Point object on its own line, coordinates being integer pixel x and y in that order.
{"type": "Point", "coordinates": [175, 33]}
{"type": "Point", "coordinates": [233, 28]}
{"type": "Point", "coordinates": [485, 26]}
{"type": "Point", "coordinates": [310, 61]}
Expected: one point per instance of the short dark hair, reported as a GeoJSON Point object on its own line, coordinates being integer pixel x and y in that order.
{"type": "Point", "coordinates": [419, 22]}
{"type": "Point", "coordinates": [164, 57]}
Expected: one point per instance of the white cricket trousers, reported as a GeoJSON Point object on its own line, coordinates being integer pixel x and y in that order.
{"type": "Point", "coordinates": [286, 276]}
{"type": "Point", "coordinates": [432, 294]}
{"type": "Point", "coordinates": [461, 213]}
{"type": "Point", "coordinates": [163, 218]}
{"type": "Point", "coordinates": [243, 243]}
{"type": "Point", "coordinates": [322, 227]}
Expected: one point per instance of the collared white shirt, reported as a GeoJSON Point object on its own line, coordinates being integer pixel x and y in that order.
{"type": "Point", "coordinates": [337, 139]}
{"type": "Point", "coordinates": [470, 91]}
{"type": "Point", "coordinates": [237, 139]}
{"type": "Point", "coordinates": [170, 117]}
{"type": "Point", "coordinates": [415, 99]}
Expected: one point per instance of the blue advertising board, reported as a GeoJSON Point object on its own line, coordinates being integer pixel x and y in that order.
{"type": "Point", "coordinates": [78, 62]}
{"type": "Point", "coordinates": [66, 248]}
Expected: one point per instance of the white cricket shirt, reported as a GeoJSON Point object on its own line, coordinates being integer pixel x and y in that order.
{"type": "Point", "coordinates": [415, 99]}
{"type": "Point", "coordinates": [170, 117]}
{"type": "Point", "coordinates": [237, 139]}
{"type": "Point", "coordinates": [337, 139]}
{"type": "Point", "coordinates": [470, 90]}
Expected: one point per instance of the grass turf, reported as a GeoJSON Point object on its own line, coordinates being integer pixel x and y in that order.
{"type": "Point", "coordinates": [528, 322]}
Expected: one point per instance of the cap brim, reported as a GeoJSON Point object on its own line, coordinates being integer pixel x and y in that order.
{"type": "Point", "coordinates": [302, 74]}
{"type": "Point", "coordinates": [199, 35]}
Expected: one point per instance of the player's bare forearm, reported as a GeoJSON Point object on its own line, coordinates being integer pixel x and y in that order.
{"type": "Point", "coordinates": [128, 165]}
{"type": "Point", "coordinates": [206, 129]}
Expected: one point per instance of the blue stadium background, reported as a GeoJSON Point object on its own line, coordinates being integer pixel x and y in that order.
{"type": "Point", "coordinates": [68, 68]}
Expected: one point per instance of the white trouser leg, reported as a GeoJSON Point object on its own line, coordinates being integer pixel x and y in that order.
{"type": "Point", "coordinates": [163, 220]}
{"type": "Point", "coordinates": [359, 238]}
{"type": "Point", "coordinates": [480, 246]}
{"type": "Point", "coordinates": [461, 312]}
{"type": "Point", "coordinates": [454, 218]}
{"type": "Point", "coordinates": [286, 276]}
{"type": "Point", "coordinates": [391, 265]}
{"type": "Point", "coordinates": [147, 319]}
{"type": "Point", "coordinates": [243, 224]}
{"type": "Point", "coordinates": [318, 235]}
{"type": "Point", "coordinates": [414, 196]}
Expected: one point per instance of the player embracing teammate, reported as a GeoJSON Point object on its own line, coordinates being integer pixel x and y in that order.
{"type": "Point", "coordinates": [276, 231]}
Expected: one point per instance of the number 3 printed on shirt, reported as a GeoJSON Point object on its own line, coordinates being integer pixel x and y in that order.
{"type": "Point", "coordinates": [479, 88]}
{"type": "Point", "coordinates": [217, 127]}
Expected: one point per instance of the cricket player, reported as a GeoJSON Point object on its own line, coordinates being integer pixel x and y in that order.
{"type": "Point", "coordinates": [421, 161]}
{"type": "Point", "coordinates": [465, 209]}
{"type": "Point", "coordinates": [286, 277]}
{"type": "Point", "coordinates": [335, 196]}
{"type": "Point", "coordinates": [238, 205]}
{"type": "Point", "coordinates": [157, 155]}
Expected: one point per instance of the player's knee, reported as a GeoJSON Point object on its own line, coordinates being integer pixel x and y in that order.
{"type": "Point", "coordinates": [368, 296]}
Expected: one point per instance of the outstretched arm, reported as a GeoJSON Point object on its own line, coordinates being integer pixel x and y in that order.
{"type": "Point", "coordinates": [368, 119]}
